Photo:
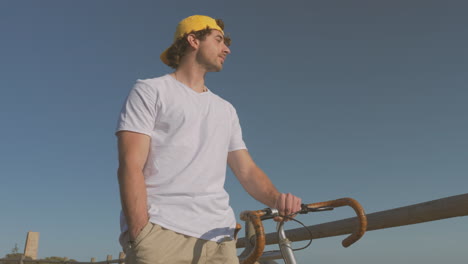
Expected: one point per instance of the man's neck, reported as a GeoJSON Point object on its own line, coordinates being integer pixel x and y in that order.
{"type": "Point", "coordinates": [193, 77]}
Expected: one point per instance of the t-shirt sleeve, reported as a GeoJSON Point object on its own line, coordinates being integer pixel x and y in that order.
{"type": "Point", "coordinates": [236, 142]}
{"type": "Point", "coordinates": [139, 110]}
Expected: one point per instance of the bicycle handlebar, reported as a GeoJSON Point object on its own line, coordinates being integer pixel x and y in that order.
{"type": "Point", "coordinates": [359, 232]}
{"type": "Point", "coordinates": [256, 217]}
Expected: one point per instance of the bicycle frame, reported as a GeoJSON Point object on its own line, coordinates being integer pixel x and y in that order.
{"type": "Point", "coordinates": [285, 245]}
{"type": "Point", "coordinates": [255, 231]}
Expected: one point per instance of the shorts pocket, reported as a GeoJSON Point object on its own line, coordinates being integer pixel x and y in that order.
{"type": "Point", "coordinates": [226, 252]}
{"type": "Point", "coordinates": [143, 233]}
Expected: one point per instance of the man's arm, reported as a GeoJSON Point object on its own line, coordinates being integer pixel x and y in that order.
{"type": "Point", "coordinates": [258, 185]}
{"type": "Point", "coordinates": [133, 152]}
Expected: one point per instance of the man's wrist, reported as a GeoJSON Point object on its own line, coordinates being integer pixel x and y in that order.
{"type": "Point", "coordinates": [134, 231]}
{"type": "Point", "coordinates": [277, 197]}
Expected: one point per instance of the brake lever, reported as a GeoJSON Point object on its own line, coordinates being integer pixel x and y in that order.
{"type": "Point", "coordinates": [305, 209]}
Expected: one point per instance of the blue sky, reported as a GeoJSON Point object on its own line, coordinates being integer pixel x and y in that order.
{"type": "Point", "coordinates": [362, 99]}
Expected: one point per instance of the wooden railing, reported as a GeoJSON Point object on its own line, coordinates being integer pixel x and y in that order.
{"type": "Point", "coordinates": [23, 260]}
{"type": "Point", "coordinates": [454, 206]}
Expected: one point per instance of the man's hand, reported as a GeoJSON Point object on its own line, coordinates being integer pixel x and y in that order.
{"type": "Point", "coordinates": [287, 204]}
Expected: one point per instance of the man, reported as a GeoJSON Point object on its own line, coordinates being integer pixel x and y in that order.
{"type": "Point", "coordinates": [174, 138]}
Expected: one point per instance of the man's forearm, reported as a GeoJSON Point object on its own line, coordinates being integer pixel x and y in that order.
{"type": "Point", "coordinates": [133, 198]}
{"type": "Point", "coordinates": [260, 187]}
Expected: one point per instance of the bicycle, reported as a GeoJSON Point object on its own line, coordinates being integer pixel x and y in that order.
{"type": "Point", "coordinates": [253, 222]}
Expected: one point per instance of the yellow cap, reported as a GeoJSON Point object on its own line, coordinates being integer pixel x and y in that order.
{"type": "Point", "coordinates": [189, 24]}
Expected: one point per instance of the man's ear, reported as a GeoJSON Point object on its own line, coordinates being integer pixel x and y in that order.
{"type": "Point", "coordinates": [193, 41]}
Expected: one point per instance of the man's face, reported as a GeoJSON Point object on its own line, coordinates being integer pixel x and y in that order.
{"type": "Point", "coordinates": [212, 51]}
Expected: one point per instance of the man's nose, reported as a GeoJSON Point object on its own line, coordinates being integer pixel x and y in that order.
{"type": "Point", "coordinates": [226, 49]}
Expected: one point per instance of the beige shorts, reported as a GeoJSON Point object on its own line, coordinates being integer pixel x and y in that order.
{"type": "Point", "coordinates": [156, 244]}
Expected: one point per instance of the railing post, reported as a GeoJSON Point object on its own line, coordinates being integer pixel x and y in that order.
{"type": "Point", "coordinates": [21, 259]}
{"type": "Point", "coordinates": [122, 258]}
{"type": "Point", "coordinates": [109, 258]}
{"type": "Point", "coordinates": [93, 259]}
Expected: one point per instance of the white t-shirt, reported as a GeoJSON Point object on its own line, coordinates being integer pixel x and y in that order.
{"type": "Point", "coordinates": [191, 135]}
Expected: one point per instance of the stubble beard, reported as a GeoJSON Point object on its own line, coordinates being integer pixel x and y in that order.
{"type": "Point", "coordinates": [211, 66]}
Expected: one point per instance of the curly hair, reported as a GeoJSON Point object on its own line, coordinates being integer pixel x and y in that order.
{"type": "Point", "coordinates": [177, 50]}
